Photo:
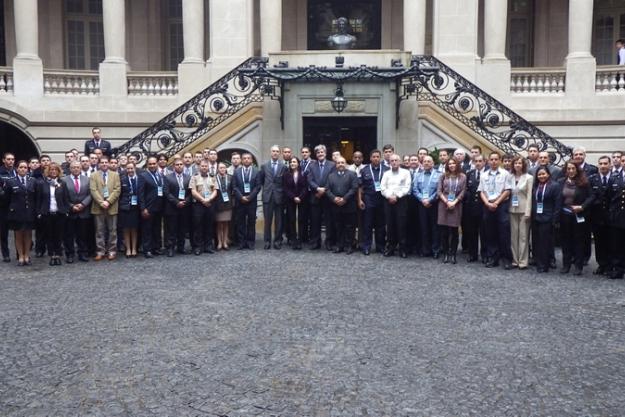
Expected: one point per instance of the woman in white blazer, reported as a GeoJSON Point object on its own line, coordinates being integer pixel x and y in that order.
{"type": "Point", "coordinates": [520, 212]}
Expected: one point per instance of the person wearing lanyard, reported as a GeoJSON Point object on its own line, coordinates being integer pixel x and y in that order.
{"type": "Point", "coordinates": [224, 206]}
{"type": "Point", "coordinates": [450, 191]}
{"type": "Point", "coordinates": [545, 215]}
{"type": "Point", "coordinates": [495, 187]}
{"type": "Point", "coordinates": [177, 208]}
{"type": "Point", "coordinates": [295, 193]}
{"type": "Point", "coordinates": [371, 201]}
{"type": "Point", "coordinates": [246, 186]}
{"type": "Point", "coordinates": [129, 215]}
{"type": "Point", "coordinates": [520, 212]}
{"type": "Point", "coordinates": [395, 188]}
{"type": "Point", "coordinates": [52, 210]}
{"type": "Point", "coordinates": [617, 223]}
{"type": "Point", "coordinates": [204, 194]}
{"type": "Point", "coordinates": [576, 197]}
{"type": "Point", "coordinates": [151, 202]}
{"type": "Point", "coordinates": [105, 190]}
{"type": "Point", "coordinates": [424, 190]}
{"type": "Point", "coordinates": [600, 214]}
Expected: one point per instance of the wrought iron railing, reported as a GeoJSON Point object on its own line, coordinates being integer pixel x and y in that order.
{"type": "Point", "coordinates": [210, 108]}
{"type": "Point", "coordinates": [476, 109]}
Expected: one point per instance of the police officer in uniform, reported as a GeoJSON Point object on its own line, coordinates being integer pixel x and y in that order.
{"type": "Point", "coordinates": [599, 213]}
{"type": "Point", "coordinates": [473, 210]}
{"type": "Point", "coordinates": [617, 223]}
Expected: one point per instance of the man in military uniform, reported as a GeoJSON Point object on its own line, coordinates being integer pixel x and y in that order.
{"type": "Point", "coordinates": [473, 210]}
{"type": "Point", "coordinates": [600, 215]}
{"type": "Point", "coordinates": [617, 225]}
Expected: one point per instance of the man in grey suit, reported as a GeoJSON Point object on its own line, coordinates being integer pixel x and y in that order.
{"type": "Point", "coordinates": [79, 217]}
{"type": "Point", "coordinates": [545, 161]}
{"type": "Point", "coordinates": [271, 174]}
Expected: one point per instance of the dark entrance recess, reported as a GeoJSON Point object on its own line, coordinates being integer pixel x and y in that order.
{"type": "Point", "coordinates": [15, 141]}
{"type": "Point", "coordinates": [226, 155]}
{"type": "Point", "coordinates": [344, 134]}
{"type": "Point", "coordinates": [364, 16]}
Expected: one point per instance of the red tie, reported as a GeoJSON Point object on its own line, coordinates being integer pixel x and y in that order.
{"type": "Point", "coordinates": [76, 185]}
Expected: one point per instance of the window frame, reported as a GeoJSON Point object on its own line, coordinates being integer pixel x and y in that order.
{"type": "Point", "coordinates": [86, 18]}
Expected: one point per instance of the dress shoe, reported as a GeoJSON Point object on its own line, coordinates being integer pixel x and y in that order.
{"type": "Point", "coordinates": [157, 252]}
{"type": "Point", "coordinates": [209, 249]}
{"type": "Point", "coordinates": [241, 247]}
{"type": "Point", "coordinates": [52, 262]}
{"type": "Point", "coordinates": [316, 246]}
{"type": "Point", "coordinates": [112, 256]}
{"type": "Point", "coordinates": [99, 257]}
{"type": "Point", "coordinates": [6, 259]}
{"type": "Point", "coordinates": [446, 259]}
{"type": "Point", "coordinates": [28, 262]}
{"type": "Point", "coordinates": [599, 271]}
{"type": "Point", "coordinates": [403, 254]}
{"type": "Point", "coordinates": [366, 252]}
{"type": "Point", "coordinates": [436, 255]}
{"type": "Point", "coordinates": [565, 269]}
{"type": "Point", "coordinates": [472, 259]}
{"type": "Point", "coordinates": [58, 261]}
{"type": "Point", "coordinates": [181, 252]}
{"type": "Point", "coordinates": [522, 268]}
{"type": "Point", "coordinates": [492, 264]}
{"type": "Point", "coordinates": [267, 246]}
{"type": "Point", "coordinates": [507, 266]}
{"type": "Point", "coordinates": [21, 263]}
{"type": "Point", "coordinates": [198, 251]}
{"type": "Point", "coordinates": [83, 258]}
{"type": "Point", "coordinates": [170, 253]}
{"type": "Point", "coordinates": [578, 271]}
{"type": "Point", "coordinates": [337, 250]}
{"type": "Point", "coordinates": [148, 255]}
{"type": "Point", "coordinates": [277, 245]}
{"type": "Point", "coordinates": [452, 259]}
{"type": "Point", "coordinates": [552, 264]}
{"type": "Point", "coordinates": [329, 246]}
{"type": "Point", "coordinates": [69, 260]}
{"type": "Point", "coordinates": [389, 252]}
{"type": "Point", "coordinates": [541, 270]}
{"type": "Point", "coordinates": [349, 251]}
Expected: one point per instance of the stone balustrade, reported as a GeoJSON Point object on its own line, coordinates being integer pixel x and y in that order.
{"type": "Point", "coordinates": [610, 79]}
{"type": "Point", "coordinates": [71, 83]}
{"type": "Point", "coordinates": [537, 81]}
{"type": "Point", "coordinates": [6, 80]}
{"type": "Point", "coordinates": [153, 83]}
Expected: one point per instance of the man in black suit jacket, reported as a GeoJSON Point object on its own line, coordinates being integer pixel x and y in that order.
{"type": "Point", "coordinates": [579, 157]}
{"type": "Point", "coordinates": [472, 212]}
{"type": "Point", "coordinates": [341, 192]}
{"type": "Point", "coordinates": [7, 171]}
{"type": "Point", "coordinates": [600, 215]}
{"type": "Point", "coordinates": [97, 143]}
{"type": "Point", "coordinates": [321, 208]}
{"type": "Point", "coordinates": [246, 186]}
{"type": "Point", "coordinates": [151, 201]}
{"type": "Point", "coordinates": [271, 173]}
{"type": "Point", "coordinates": [79, 215]}
{"type": "Point", "coordinates": [177, 208]}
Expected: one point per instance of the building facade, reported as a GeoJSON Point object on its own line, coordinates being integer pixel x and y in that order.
{"type": "Point", "coordinates": [68, 65]}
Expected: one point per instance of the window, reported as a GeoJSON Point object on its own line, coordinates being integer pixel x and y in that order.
{"type": "Point", "coordinates": [609, 25]}
{"type": "Point", "coordinates": [520, 32]}
{"type": "Point", "coordinates": [174, 41]}
{"type": "Point", "coordinates": [84, 34]}
{"type": "Point", "coordinates": [3, 51]}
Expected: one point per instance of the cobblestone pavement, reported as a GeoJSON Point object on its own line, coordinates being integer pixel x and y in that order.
{"type": "Point", "coordinates": [289, 333]}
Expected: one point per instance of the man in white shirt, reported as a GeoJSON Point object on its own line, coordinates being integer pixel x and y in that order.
{"type": "Point", "coordinates": [395, 187]}
{"type": "Point", "coordinates": [620, 52]}
{"type": "Point", "coordinates": [495, 187]}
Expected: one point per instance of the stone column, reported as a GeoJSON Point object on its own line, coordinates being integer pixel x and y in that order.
{"type": "Point", "coordinates": [580, 64]}
{"type": "Point", "coordinates": [270, 26]}
{"type": "Point", "coordinates": [193, 30]}
{"type": "Point", "coordinates": [114, 67]}
{"type": "Point", "coordinates": [414, 26]}
{"type": "Point", "coordinates": [27, 66]}
{"type": "Point", "coordinates": [494, 73]}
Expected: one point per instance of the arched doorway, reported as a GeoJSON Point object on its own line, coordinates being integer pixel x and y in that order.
{"type": "Point", "coordinates": [17, 142]}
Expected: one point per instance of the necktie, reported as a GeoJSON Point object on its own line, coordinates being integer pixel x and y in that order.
{"type": "Point", "coordinates": [273, 167]}
{"type": "Point", "coordinates": [24, 181]}
{"type": "Point", "coordinates": [104, 177]}
{"type": "Point", "coordinates": [180, 181]}
{"type": "Point", "coordinates": [478, 176]}
{"type": "Point", "coordinates": [76, 184]}
{"type": "Point", "coordinates": [605, 181]}
{"type": "Point", "coordinates": [321, 168]}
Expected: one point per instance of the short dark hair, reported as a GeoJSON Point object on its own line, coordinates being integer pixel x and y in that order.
{"type": "Point", "coordinates": [604, 157]}
{"type": "Point", "coordinates": [161, 156]}
{"type": "Point", "coordinates": [533, 145]}
{"type": "Point", "coordinates": [234, 154]}
{"type": "Point", "coordinates": [7, 154]}
{"type": "Point", "coordinates": [387, 147]}
{"type": "Point", "coordinates": [375, 151]}
{"type": "Point", "coordinates": [104, 158]}
{"type": "Point", "coordinates": [494, 153]}
{"type": "Point", "coordinates": [478, 147]}
{"type": "Point", "coordinates": [44, 156]}
{"type": "Point", "coordinates": [621, 41]}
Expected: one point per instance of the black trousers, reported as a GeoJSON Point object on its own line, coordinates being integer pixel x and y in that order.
{"type": "Point", "coordinates": [293, 221]}
{"type": "Point", "coordinates": [573, 238]}
{"type": "Point", "coordinates": [601, 233]}
{"type": "Point", "coordinates": [246, 219]}
{"type": "Point", "coordinates": [176, 227]}
{"type": "Point", "coordinates": [233, 230]}
{"type": "Point", "coordinates": [396, 223]}
{"type": "Point", "coordinates": [4, 232]}
{"type": "Point", "coordinates": [617, 251]}
{"type": "Point", "coordinates": [542, 244]}
{"type": "Point", "coordinates": [344, 224]}
{"type": "Point", "coordinates": [54, 224]}
{"type": "Point", "coordinates": [374, 218]}
{"type": "Point", "coordinates": [40, 235]}
{"type": "Point", "coordinates": [449, 239]}
{"type": "Point", "coordinates": [273, 211]}
{"type": "Point", "coordinates": [321, 212]}
{"type": "Point", "coordinates": [203, 226]}
{"type": "Point", "coordinates": [303, 218]}
{"type": "Point", "coordinates": [413, 237]}
{"type": "Point", "coordinates": [428, 228]}
{"type": "Point", "coordinates": [151, 232]}
{"type": "Point", "coordinates": [471, 233]}
{"type": "Point", "coordinates": [76, 230]}
{"type": "Point", "coordinates": [497, 228]}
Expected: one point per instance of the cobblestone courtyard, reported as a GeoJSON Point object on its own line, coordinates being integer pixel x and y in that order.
{"type": "Point", "coordinates": [307, 334]}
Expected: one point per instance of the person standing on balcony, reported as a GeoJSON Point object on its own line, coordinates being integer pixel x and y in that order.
{"type": "Point", "coordinates": [97, 143]}
{"type": "Point", "coordinates": [620, 52]}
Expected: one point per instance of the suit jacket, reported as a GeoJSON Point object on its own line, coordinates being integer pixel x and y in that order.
{"type": "Point", "coordinates": [370, 196]}
{"type": "Point", "coordinates": [345, 186]}
{"type": "Point", "coordinates": [272, 184]}
{"type": "Point", "coordinates": [317, 178]}
{"type": "Point", "coordinates": [82, 197]}
{"type": "Point", "coordinates": [21, 199]}
{"type": "Point", "coordinates": [523, 191]}
{"type": "Point", "coordinates": [148, 192]}
{"type": "Point", "coordinates": [600, 209]}
{"type": "Point", "coordinates": [125, 199]}
{"type": "Point", "coordinates": [91, 146]}
{"type": "Point", "coordinates": [473, 205]}
{"type": "Point", "coordinates": [238, 184]}
{"type": "Point", "coordinates": [617, 202]}
{"type": "Point", "coordinates": [43, 196]}
{"type": "Point", "coordinates": [293, 189]}
{"type": "Point", "coordinates": [551, 200]}
{"type": "Point", "coordinates": [172, 188]}
{"type": "Point", "coordinates": [583, 197]}
{"type": "Point", "coordinates": [590, 169]}
{"type": "Point", "coordinates": [5, 175]}
{"type": "Point", "coordinates": [96, 186]}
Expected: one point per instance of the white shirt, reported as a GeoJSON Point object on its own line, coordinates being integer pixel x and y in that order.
{"type": "Point", "coordinates": [396, 183]}
{"type": "Point", "coordinates": [53, 205]}
{"type": "Point", "coordinates": [494, 183]}
{"type": "Point", "coordinates": [355, 168]}
{"type": "Point", "coordinates": [621, 56]}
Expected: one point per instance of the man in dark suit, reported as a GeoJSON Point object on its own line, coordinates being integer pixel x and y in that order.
{"type": "Point", "coordinates": [341, 192]}
{"type": "Point", "coordinates": [79, 215]}
{"type": "Point", "coordinates": [7, 171]}
{"type": "Point", "coordinates": [151, 201]}
{"type": "Point", "coordinates": [246, 186]}
{"type": "Point", "coordinates": [579, 157]}
{"type": "Point", "coordinates": [177, 213]}
{"type": "Point", "coordinates": [97, 143]}
{"type": "Point", "coordinates": [270, 177]}
{"type": "Point", "coordinates": [600, 213]}
{"type": "Point", "coordinates": [545, 161]}
{"type": "Point", "coordinates": [321, 208]}
{"type": "Point", "coordinates": [371, 201]}
{"type": "Point", "coordinates": [304, 216]}
{"type": "Point", "coordinates": [617, 225]}
{"type": "Point", "coordinates": [472, 212]}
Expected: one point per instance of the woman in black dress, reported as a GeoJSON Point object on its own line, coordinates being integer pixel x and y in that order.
{"type": "Point", "coordinates": [52, 210]}
{"type": "Point", "coordinates": [295, 190]}
{"type": "Point", "coordinates": [129, 214]}
{"type": "Point", "coordinates": [20, 192]}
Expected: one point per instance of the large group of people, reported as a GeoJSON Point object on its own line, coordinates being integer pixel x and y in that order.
{"type": "Point", "coordinates": [504, 210]}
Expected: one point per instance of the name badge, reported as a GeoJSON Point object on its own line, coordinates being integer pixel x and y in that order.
{"type": "Point", "coordinates": [133, 200]}
{"type": "Point", "coordinates": [580, 218]}
{"type": "Point", "coordinates": [105, 192]}
{"type": "Point", "coordinates": [491, 195]}
{"type": "Point", "coordinates": [426, 195]}
{"type": "Point", "coordinates": [246, 187]}
{"type": "Point", "coordinates": [206, 194]}
{"type": "Point", "coordinates": [377, 185]}
{"type": "Point", "coordinates": [539, 208]}
{"type": "Point", "coordinates": [515, 201]}
{"type": "Point", "coordinates": [159, 191]}
{"type": "Point", "coordinates": [451, 197]}
{"type": "Point", "coordinates": [225, 197]}
{"type": "Point", "coordinates": [181, 194]}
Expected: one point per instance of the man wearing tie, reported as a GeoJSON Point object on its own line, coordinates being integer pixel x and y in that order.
{"type": "Point", "coordinates": [270, 177]}
{"type": "Point", "coordinates": [212, 162]}
{"type": "Point", "coordinates": [532, 157]}
{"type": "Point", "coordinates": [177, 208]}
{"type": "Point", "coordinates": [78, 201]}
{"type": "Point", "coordinates": [105, 190]}
{"type": "Point", "coordinates": [617, 165]}
{"type": "Point", "coordinates": [7, 171]}
{"type": "Point", "coordinates": [151, 201]}
{"type": "Point", "coordinates": [341, 192]}
{"type": "Point", "coordinates": [371, 201]}
{"type": "Point", "coordinates": [162, 162]}
{"type": "Point", "coordinates": [97, 143]}
{"type": "Point", "coordinates": [321, 208]}
{"type": "Point", "coordinates": [304, 213]}
{"type": "Point", "coordinates": [189, 169]}
{"type": "Point", "coordinates": [246, 186]}
{"type": "Point", "coordinates": [600, 215]}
